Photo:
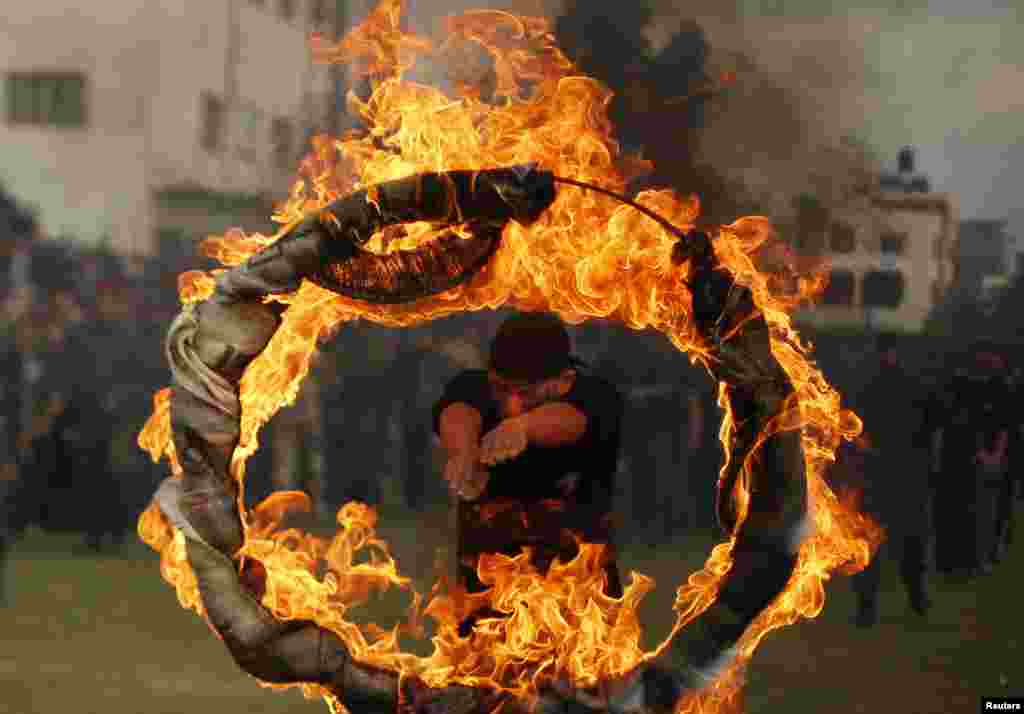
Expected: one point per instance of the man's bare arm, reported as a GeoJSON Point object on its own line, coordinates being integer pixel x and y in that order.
{"type": "Point", "coordinates": [555, 424]}
{"type": "Point", "coordinates": [459, 427]}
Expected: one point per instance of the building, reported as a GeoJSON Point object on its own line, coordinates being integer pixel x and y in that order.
{"type": "Point", "coordinates": [892, 259]}
{"type": "Point", "coordinates": [983, 255]}
{"type": "Point", "coordinates": [130, 121]}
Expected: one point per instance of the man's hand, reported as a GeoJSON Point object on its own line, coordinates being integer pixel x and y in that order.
{"type": "Point", "coordinates": [505, 441]}
{"type": "Point", "coordinates": [466, 476]}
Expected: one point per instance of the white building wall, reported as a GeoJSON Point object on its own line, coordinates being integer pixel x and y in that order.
{"type": "Point", "coordinates": [147, 64]}
{"type": "Point", "coordinates": [88, 182]}
{"type": "Point", "coordinates": [930, 224]}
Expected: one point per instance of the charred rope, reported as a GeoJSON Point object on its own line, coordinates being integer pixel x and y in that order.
{"type": "Point", "coordinates": [210, 346]}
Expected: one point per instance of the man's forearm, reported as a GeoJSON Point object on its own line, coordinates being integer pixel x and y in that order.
{"type": "Point", "coordinates": [555, 424]}
{"type": "Point", "coordinates": [460, 427]}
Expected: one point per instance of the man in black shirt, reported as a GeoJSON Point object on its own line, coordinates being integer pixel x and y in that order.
{"type": "Point", "coordinates": [532, 447]}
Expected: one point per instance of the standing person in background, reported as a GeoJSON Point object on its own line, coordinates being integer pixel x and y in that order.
{"type": "Point", "coordinates": [954, 491]}
{"type": "Point", "coordinates": [897, 489]}
{"type": "Point", "coordinates": [975, 443]}
{"type": "Point", "coordinates": [28, 408]}
{"type": "Point", "coordinates": [994, 421]}
{"type": "Point", "coordinates": [100, 348]}
{"type": "Point", "coordinates": [532, 446]}
{"type": "Point", "coordinates": [429, 358]}
{"type": "Point", "coordinates": [693, 389]}
{"type": "Point", "coordinates": [360, 402]}
{"type": "Point", "coordinates": [1012, 480]}
{"type": "Point", "coordinates": [139, 371]}
{"type": "Point", "coordinates": [296, 443]}
{"type": "Point", "coordinates": [662, 434]}
{"type": "Point", "coordinates": [10, 427]}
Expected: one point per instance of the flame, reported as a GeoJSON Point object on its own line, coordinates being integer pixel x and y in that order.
{"type": "Point", "coordinates": [588, 256]}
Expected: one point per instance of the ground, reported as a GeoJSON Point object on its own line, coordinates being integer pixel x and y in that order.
{"type": "Point", "coordinates": [106, 635]}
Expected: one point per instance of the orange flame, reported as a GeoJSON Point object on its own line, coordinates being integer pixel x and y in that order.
{"type": "Point", "coordinates": [588, 256]}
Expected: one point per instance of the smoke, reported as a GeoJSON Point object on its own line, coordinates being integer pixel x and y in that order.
{"type": "Point", "coordinates": [792, 122]}
{"type": "Point", "coordinates": [788, 125]}
{"type": "Point", "coordinates": [463, 64]}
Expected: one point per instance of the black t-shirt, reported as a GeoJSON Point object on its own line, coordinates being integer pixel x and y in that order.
{"type": "Point", "coordinates": [980, 406]}
{"type": "Point", "coordinates": [540, 474]}
{"type": "Point", "coordinates": [895, 407]}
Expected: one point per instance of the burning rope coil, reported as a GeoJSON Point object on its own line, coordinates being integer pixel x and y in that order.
{"type": "Point", "coordinates": [210, 345]}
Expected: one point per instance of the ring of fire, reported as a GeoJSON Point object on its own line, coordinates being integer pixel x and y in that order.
{"type": "Point", "coordinates": [585, 256]}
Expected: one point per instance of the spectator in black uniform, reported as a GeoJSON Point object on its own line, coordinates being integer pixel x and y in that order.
{"type": "Point", "coordinates": [532, 445]}
{"type": "Point", "coordinates": [10, 427]}
{"type": "Point", "coordinates": [975, 443]}
{"type": "Point", "coordinates": [1011, 482]}
{"type": "Point", "coordinates": [991, 454]}
{"type": "Point", "coordinates": [426, 363]}
{"type": "Point", "coordinates": [896, 484]}
{"type": "Point", "coordinates": [98, 372]}
{"type": "Point", "coordinates": [31, 401]}
{"type": "Point", "coordinates": [662, 437]}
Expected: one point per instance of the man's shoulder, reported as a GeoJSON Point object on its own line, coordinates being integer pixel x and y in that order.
{"type": "Point", "coordinates": [589, 387]}
{"type": "Point", "coordinates": [470, 375]}
{"type": "Point", "coordinates": [465, 384]}
{"type": "Point", "coordinates": [590, 380]}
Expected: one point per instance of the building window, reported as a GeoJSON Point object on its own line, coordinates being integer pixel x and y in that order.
{"type": "Point", "coordinates": [893, 243]}
{"type": "Point", "coordinates": [287, 9]}
{"type": "Point", "coordinates": [46, 99]}
{"type": "Point", "coordinates": [282, 138]}
{"type": "Point", "coordinates": [211, 136]}
{"type": "Point", "coordinates": [883, 288]}
{"type": "Point", "coordinates": [840, 288]}
{"type": "Point", "coordinates": [842, 238]}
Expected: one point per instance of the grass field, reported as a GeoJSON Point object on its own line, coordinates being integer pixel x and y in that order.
{"type": "Point", "coordinates": [106, 635]}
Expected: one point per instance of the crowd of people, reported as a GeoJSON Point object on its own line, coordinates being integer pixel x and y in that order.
{"type": "Point", "coordinates": [81, 351]}
{"type": "Point", "coordinates": [937, 466]}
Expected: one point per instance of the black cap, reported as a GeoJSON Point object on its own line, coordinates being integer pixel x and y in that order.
{"type": "Point", "coordinates": [531, 347]}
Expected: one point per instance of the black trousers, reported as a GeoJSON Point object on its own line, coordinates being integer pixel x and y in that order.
{"type": "Point", "coordinates": [97, 487]}
{"type": "Point", "coordinates": [912, 552]}
{"type": "Point", "coordinates": [906, 509]}
{"type": "Point", "coordinates": [1005, 513]}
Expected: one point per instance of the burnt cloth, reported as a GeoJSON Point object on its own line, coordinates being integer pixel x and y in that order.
{"type": "Point", "coordinates": [538, 498]}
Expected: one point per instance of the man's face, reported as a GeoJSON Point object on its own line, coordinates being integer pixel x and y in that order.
{"type": "Point", "coordinates": [517, 397]}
